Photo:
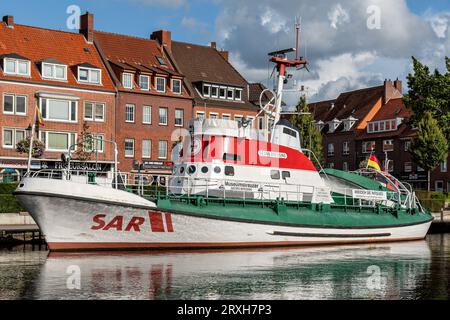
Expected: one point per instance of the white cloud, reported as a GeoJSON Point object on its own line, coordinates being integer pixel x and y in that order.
{"type": "Point", "coordinates": [192, 23]}
{"type": "Point", "coordinates": [168, 3]}
{"type": "Point", "coordinates": [338, 16]}
{"type": "Point", "coordinates": [439, 22]}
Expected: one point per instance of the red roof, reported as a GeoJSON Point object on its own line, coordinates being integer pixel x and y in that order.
{"type": "Point", "coordinates": [38, 44]}
{"type": "Point", "coordinates": [395, 108]}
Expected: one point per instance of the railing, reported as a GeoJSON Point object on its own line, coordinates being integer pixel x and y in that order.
{"type": "Point", "coordinates": [188, 187]}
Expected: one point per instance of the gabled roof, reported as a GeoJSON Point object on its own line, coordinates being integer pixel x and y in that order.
{"type": "Point", "coordinates": [395, 108]}
{"type": "Point", "coordinates": [206, 64]}
{"type": "Point", "coordinates": [37, 44]}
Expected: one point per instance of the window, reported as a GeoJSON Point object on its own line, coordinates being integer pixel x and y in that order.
{"type": "Point", "coordinates": [127, 80]}
{"type": "Point", "coordinates": [15, 104]}
{"type": "Point", "coordinates": [94, 111]}
{"type": "Point", "coordinates": [58, 141]}
{"type": "Point", "coordinates": [330, 149]}
{"type": "Point", "coordinates": [345, 148]}
{"type": "Point", "coordinates": [408, 166]}
{"type": "Point", "coordinates": [179, 115]}
{"type": "Point", "coordinates": [200, 115]}
{"type": "Point", "coordinates": [206, 90]}
{"type": "Point", "coordinates": [407, 145]}
{"type": "Point", "coordinates": [230, 93]}
{"type": "Point", "coordinates": [285, 175]}
{"type": "Point", "coordinates": [238, 119]}
{"type": "Point", "coordinates": [205, 169]}
{"type": "Point", "coordinates": [89, 75]}
{"type": "Point", "coordinates": [345, 166]}
{"type": "Point", "coordinates": [238, 94]}
{"type": "Point", "coordinates": [144, 82]}
{"type": "Point", "coordinates": [231, 157]}
{"type": "Point", "coordinates": [439, 186]}
{"type": "Point", "coordinates": [147, 115]}
{"type": "Point", "coordinates": [213, 115]}
{"type": "Point", "coordinates": [16, 67]}
{"type": "Point", "coordinates": [95, 144]}
{"type": "Point", "coordinates": [420, 169]}
{"type": "Point", "coordinates": [290, 132]}
{"type": "Point", "coordinates": [331, 165]}
{"type": "Point", "coordinates": [160, 84]}
{"type": "Point", "coordinates": [388, 145]}
{"type": "Point", "coordinates": [229, 171]}
{"type": "Point", "coordinates": [275, 174]}
{"type": "Point", "coordinates": [223, 92]}
{"type": "Point", "coordinates": [444, 166]}
{"type": "Point", "coordinates": [11, 137]}
{"type": "Point", "coordinates": [129, 148]}
{"type": "Point", "coordinates": [162, 149]}
{"type": "Point", "coordinates": [368, 146]}
{"type": "Point", "coordinates": [214, 92]}
{"type": "Point", "coordinates": [176, 86]}
{"type": "Point", "coordinates": [54, 71]}
{"type": "Point", "coordinates": [161, 60]}
{"type": "Point", "coordinates": [226, 117]}
{"type": "Point", "coordinates": [163, 116]}
{"type": "Point", "coordinates": [260, 123]}
{"type": "Point", "coordinates": [382, 126]}
{"type": "Point", "coordinates": [59, 110]}
{"type": "Point", "coordinates": [146, 148]}
{"type": "Point", "coordinates": [129, 113]}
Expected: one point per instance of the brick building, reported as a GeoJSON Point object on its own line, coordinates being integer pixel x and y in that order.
{"type": "Point", "coordinates": [153, 102]}
{"type": "Point", "coordinates": [218, 89]}
{"type": "Point", "coordinates": [63, 74]}
{"type": "Point", "coordinates": [360, 121]}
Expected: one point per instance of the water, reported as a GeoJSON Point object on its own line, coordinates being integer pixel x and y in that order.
{"type": "Point", "coordinates": [408, 270]}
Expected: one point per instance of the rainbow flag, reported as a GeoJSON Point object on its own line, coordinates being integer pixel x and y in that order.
{"type": "Point", "coordinates": [373, 162]}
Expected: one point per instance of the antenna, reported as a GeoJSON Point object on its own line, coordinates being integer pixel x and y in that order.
{"type": "Point", "coordinates": [298, 21]}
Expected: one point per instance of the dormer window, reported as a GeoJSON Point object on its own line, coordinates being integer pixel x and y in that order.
{"type": "Point", "coordinates": [349, 122]}
{"type": "Point", "coordinates": [16, 67]}
{"type": "Point", "coordinates": [127, 80]}
{"type": "Point", "coordinates": [214, 91]}
{"type": "Point", "coordinates": [176, 86]}
{"type": "Point", "coordinates": [160, 84]}
{"type": "Point", "coordinates": [238, 94]}
{"type": "Point", "coordinates": [89, 75]}
{"type": "Point", "coordinates": [230, 93]}
{"type": "Point", "coordinates": [382, 126]}
{"type": "Point", "coordinates": [144, 82]}
{"type": "Point", "coordinates": [206, 90]}
{"type": "Point", "coordinates": [161, 61]}
{"type": "Point", "coordinates": [333, 125]}
{"type": "Point", "coordinates": [319, 125]}
{"type": "Point", "coordinates": [54, 71]}
{"type": "Point", "coordinates": [223, 92]}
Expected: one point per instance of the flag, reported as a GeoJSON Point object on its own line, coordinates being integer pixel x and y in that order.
{"type": "Point", "coordinates": [39, 117]}
{"type": "Point", "coordinates": [373, 162]}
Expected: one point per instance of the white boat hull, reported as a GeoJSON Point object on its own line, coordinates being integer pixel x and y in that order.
{"type": "Point", "coordinates": [71, 223]}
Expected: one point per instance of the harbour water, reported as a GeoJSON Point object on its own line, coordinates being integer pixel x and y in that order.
{"type": "Point", "coordinates": [407, 270]}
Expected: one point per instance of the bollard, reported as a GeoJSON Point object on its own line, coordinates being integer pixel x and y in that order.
{"type": "Point", "coordinates": [442, 214]}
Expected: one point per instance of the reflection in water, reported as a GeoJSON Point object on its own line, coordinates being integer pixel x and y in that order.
{"type": "Point", "coordinates": [408, 270]}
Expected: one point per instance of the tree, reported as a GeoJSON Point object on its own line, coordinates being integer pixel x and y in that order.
{"type": "Point", "coordinates": [429, 147]}
{"type": "Point", "coordinates": [310, 136]}
{"type": "Point", "coordinates": [85, 145]}
{"type": "Point", "coordinates": [429, 92]}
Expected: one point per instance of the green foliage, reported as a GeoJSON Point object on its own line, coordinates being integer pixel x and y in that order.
{"type": "Point", "coordinates": [8, 203]}
{"type": "Point", "coordinates": [7, 188]}
{"type": "Point", "coordinates": [429, 147]}
{"type": "Point", "coordinates": [310, 137]}
{"type": "Point", "coordinates": [429, 92]}
{"type": "Point", "coordinates": [24, 147]}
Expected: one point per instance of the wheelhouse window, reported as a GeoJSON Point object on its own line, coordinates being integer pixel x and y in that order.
{"type": "Point", "coordinates": [16, 67]}
{"type": "Point", "coordinates": [59, 110]}
{"type": "Point", "coordinates": [275, 174]}
{"type": "Point", "coordinates": [11, 137]}
{"type": "Point", "coordinates": [226, 117]}
{"type": "Point", "coordinates": [89, 75]}
{"type": "Point", "coordinates": [127, 80]}
{"type": "Point", "coordinates": [54, 71]}
{"type": "Point", "coordinates": [285, 174]}
{"type": "Point", "coordinates": [162, 149]}
{"type": "Point", "coordinates": [146, 148]}
{"type": "Point", "coordinates": [179, 115]}
{"type": "Point", "coordinates": [213, 115]}
{"type": "Point", "coordinates": [229, 171]}
{"type": "Point", "coordinates": [58, 141]}
{"type": "Point", "coordinates": [144, 82]}
{"type": "Point", "coordinates": [94, 111]}
{"type": "Point", "coordinates": [238, 119]}
{"type": "Point", "coordinates": [129, 113]}
{"type": "Point", "coordinates": [160, 84]}
{"type": "Point", "coordinates": [147, 115]}
{"type": "Point", "coordinates": [15, 104]}
{"type": "Point", "coordinates": [129, 148]}
{"type": "Point", "coordinates": [163, 119]}
{"type": "Point", "coordinates": [176, 86]}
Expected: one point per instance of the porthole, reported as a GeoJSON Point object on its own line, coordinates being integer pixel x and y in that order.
{"type": "Point", "coordinates": [192, 169]}
{"type": "Point", "coordinates": [181, 169]}
{"type": "Point", "coordinates": [205, 169]}
{"type": "Point", "coordinates": [217, 170]}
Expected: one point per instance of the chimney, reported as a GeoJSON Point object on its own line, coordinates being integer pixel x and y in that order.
{"type": "Point", "coordinates": [9, 21]}
{"type": "Point", "coordinates": [164, 38]}
{"type": "Point", "coordinates": [87, 26]}
{"type": "Point", "coordinates": [398, 85]}
{"type": "Point", "coordinates": [214, 45]}
{"type": "Point", "coordinates": [224, 54]}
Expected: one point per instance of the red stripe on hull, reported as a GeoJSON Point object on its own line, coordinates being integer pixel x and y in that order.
{"type": "Point", "coordinates": [81, 246]}
{"type": "Point", "coordinates": [156, 221]}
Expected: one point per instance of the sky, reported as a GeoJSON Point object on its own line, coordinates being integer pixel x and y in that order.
{"type": "Point", "coordinates": [349, 44]}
